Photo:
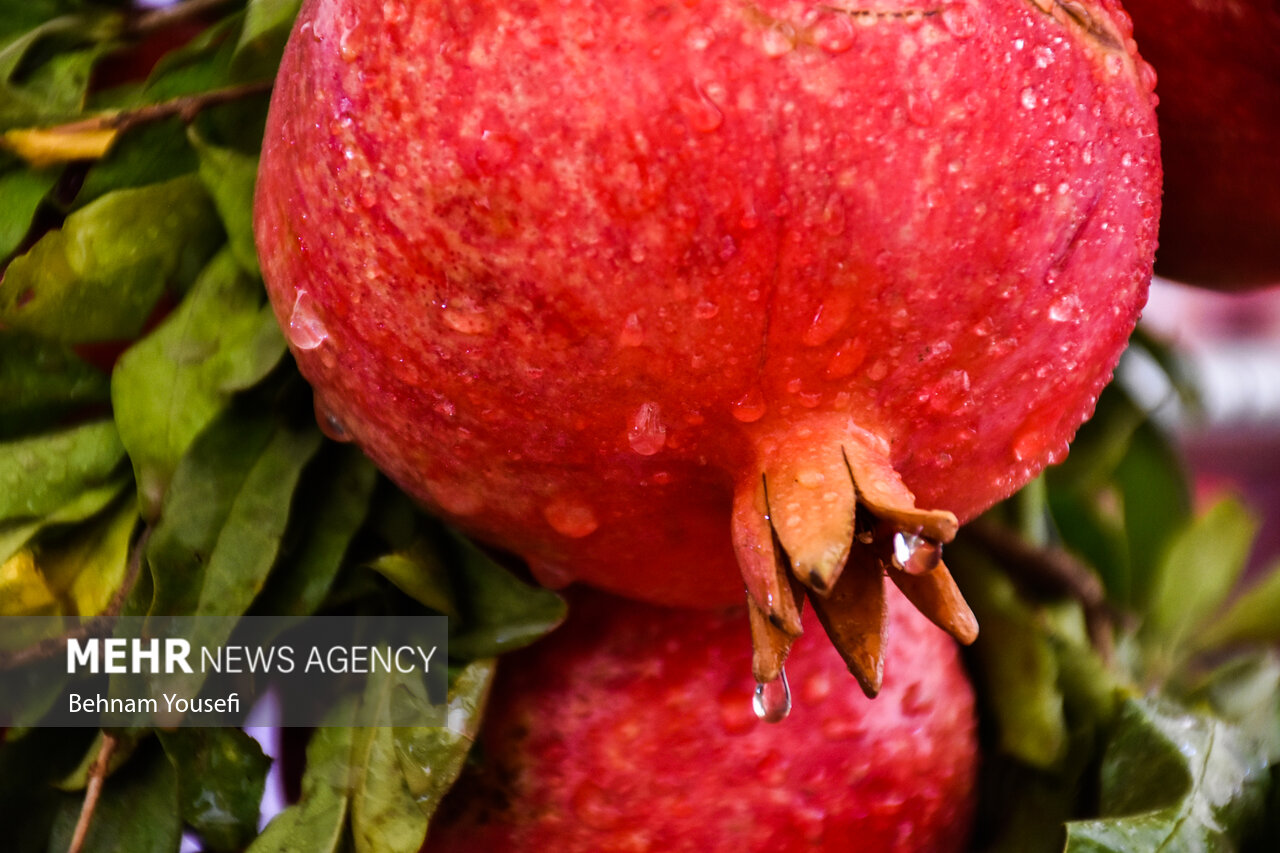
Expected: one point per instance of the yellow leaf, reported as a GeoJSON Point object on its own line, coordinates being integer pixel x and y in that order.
{"type": "Point", "coordinates": [88, 570]}
{"type": "Point", "coordinates": [49, 146]}
{"type": "Point", "coordinates": [23, 589]}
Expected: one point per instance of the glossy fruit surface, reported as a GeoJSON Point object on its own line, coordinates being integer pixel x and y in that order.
{"type": "Point", "coordinates": [631, 288]}
{"type": "Point", "coordinates": [631, 728]}
{"type": "Point", "coordinates": [1219, 69]}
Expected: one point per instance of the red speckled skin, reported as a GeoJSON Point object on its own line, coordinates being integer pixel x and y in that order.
{"type": "Point", "coordinates": [1219, 112]}
{"type": "Point", "coordinates": [567, 262]}
{"type": "Point", "coordinates": [631, 729]}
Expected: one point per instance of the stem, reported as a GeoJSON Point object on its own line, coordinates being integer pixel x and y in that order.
{"type": "Point", "coordinates": [97, 776]}
{"type": "Point", "coordinates": [157, 19]}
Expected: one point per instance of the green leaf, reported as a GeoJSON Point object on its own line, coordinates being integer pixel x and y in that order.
{"type": "Point", "coordinates": [147, 154]}
{"type": "Point", "coordinates": [229, 176]}
{"type": "Point", "coordinates": [419, 573]}
{"type": "Point", "coordinates": [41, 474]}
{"type": "Point", "coordinates": [384, 816]}
{"type": "Point", "coordinates": [1016, 659]}
{"type": "Point", "coordinates": [88, 569]}
{"type": "Point", "coordinates": [90, 502]}
{"type": "Point", "coordinates": [266, 28]}
{"type": "Point", "coordinates": [169, 386]}
{"type": "Point", "coordinates": [316, 823]}
{"type": "Point", "coordinates": [1245, 691]}
{"type": "Point", "coordinates": [98, 277]}
{"type": "Point", "coordinates": [431, 758]}
{"type": "Point", "coordinates": [332, 507]}
{"type": "Point", "coordinates": [1156, 500]}
{"type": "Point", "coordinates": [136, 813]}
{"type": "Point", "coordinates": [1254, 617]}
{"type": "Point", "coordinates": [1197, 574]}
{"type": "Point", "coordinates": [21, 191]}
{"type": "Point", "coordinates": [40, 380]}
{"type": "Point", "coordinates": [1172, 781]}
{"type": "Point", "coordinates": [55, 89]}
{"type": "Point", "coordinates": [222, 523]}
{"type": "Point", "coordinates": [501, 612]}
{"type": "Point", "coordinates": [221, 777]}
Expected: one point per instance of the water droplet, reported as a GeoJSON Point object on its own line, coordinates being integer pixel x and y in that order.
{"type": "Point", "coordinates": [920, 108]}
{"type": "Point", "coordinates": [833, 218]}
{"type": "Point", "coordinates": [468, 321]}
{"type": "Point", "coordinates": [496, 151]}
{"type": "Point", "coordinates": [1043, 56]}
{"type": "Point", "coordinates": [455, 498]}
{"type": "Point", "coordinates": [706, 310]}
{"type": "Point", "coordinates": [701, 112]}
{"type": "Point", "coordinates": [728, 248]}
{"type": "Point", "coordinates": [834, 33]}
{"type": "Point", "coordinates": [1028, 98]}
{"type": "Point", "coordinates": [700, 38]}
{"type": "Point", "coordinates": [950, 393]}
{"type": "Point", "coordinates": [915, 554]}
{"type": "Point", "coordinates": [829, 319]}
{"type": "Point", "coordinates": [772, 701]}
{"type": "Point", "coordinates": [778, 39]}
{"type": "Point", "coordinates": [846, 359]}
{"type": "Point", "coordinates": [346, 49]}
{"type": "Point", "coordinates": [646, 433]}
{"type": "Point", "coordinates": [306, 330]}
{"type": "Point", "coordinates": [329, 424]}
{"type": "Point", "coordinates": [570, 518]}
{"type": "Point", "coordinates": [637, 253]}
{"type": "Point", "coordinates": [1065, 307]}
{"type": "Point", "coordinates": [958, 19]}
{"type": "Point", "coordinates": [1027, 444]}
{"type": "Point", "coordinates": [632, 335]}
{"type": "Point", "coordinates": [1114, 64]}
{"type": "Point", "coordinates": [750, 407]}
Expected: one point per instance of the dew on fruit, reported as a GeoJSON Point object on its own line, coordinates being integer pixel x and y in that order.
{"type": "Point", "coordinates": [570, 518]}
{"type": "Point", "coordinates": [330, 425]}
{"type": "Point", "coordinates": [772, 700]}
{"type": "Point", "coordinates": [466, 321]}
{"type": "Point", "coordinates": [700, 111]}
{"type": "Point", "coordinates": [915, 554]}
{"type": "Point", "coordinates": [632, 335]}
{"type": "Point", "coordinates": [306, 330]}
{"type": "Point", "coordinates": [1065, 307]}
{"type": "Point", "coordinates": [834, 33]}
{"type": "Point", "coordinates": [706, 310]}
{"type": "Point", "coordinates": [1027, 444]}
{"type": "Point", "coordinates": [778, 40]}
{"type": "Point", "coordinates": [646, 433]}
{"type": "Point", "coordinates": [958, 19]}
{"type": "Point", "coordinates": [1028, 98]}
{"type": "Point", "coordinates": [454, 498]}
{"type": "Point", "coordinates": [750, 407]}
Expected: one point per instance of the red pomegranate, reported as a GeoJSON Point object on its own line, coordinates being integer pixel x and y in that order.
{"type": "Point", "coordinates": [1219, 68]}
{"type": "Point", "coordinates": [630, 728]}
{"type": "Point", "coordinates": [668, 296]}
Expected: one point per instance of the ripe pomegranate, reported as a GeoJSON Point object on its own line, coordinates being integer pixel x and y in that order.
{"type": "Point", "coordinates": [630, 729]}
{"type": "Point", "coordinates": [1219, 67]}
{"type": "Point", "coordinates": [665, 297]}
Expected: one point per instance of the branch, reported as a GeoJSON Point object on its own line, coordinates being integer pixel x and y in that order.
{"type": "Point", "coordinates": [93, 789]}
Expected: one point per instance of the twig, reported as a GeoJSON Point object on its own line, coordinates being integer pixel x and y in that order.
{"type": "Point", "coordinates": [157, 19]}
{"type": "Point", "coordinates": [1051, 572]}
{"type": "Point", "coordinates": [93, 790]}
{"type": "Point", "coordinates": [98, 626]}
{"type": "Point", "coordinates": [185, 106]}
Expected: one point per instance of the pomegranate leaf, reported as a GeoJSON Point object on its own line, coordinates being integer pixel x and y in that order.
{"type": "Point", "coordinates": [55, 88]}
{"type": "Point", "coordinates": [88, 569]}
{"type": "Point", "coordinates": [88, 503]}
{"type": "Point", "coordinates": [1245, 691]}
{"type": "Point", "coordinates": [43, 473]}
{"type": "Point", "coordinates": [40, 380]}
{"type": "Point", "coordinates": [221, 777]}
{"type": "Point", "coordinates": [170, 385]}
{"type": "Point", "coordinates": [21, 192]}
{"type": "Point", "coordinates": [98, 277]}
{"type": "Point", "coordinates": [137, 811]}
{"type": "Point", "coordinates": [316, 823]}
{"type": "Point", "coordinates": [1173, 781]}
{"type": "Point", "coordinates": [1251, 617]}
{"type": "Point", "coordinates": [334, 503]}
{"type": "Point", "coordinates": [229, 177]}
{"type": "Point", "coordinates": [147, 154]}
{"type": "Point", "coordinates": [384, 814]}
{"type": "Point", "coordinates": [266, 27]}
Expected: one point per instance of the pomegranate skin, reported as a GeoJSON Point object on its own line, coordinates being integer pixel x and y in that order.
{"type": "Point", "coordinates": [563, 270]}
{"type": "Point", "coordinates": [1219, 114]}
{"type": "Point", "coordinates": [631, 729]}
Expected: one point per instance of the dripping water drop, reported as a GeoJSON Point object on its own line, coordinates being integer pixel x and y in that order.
{"type": "Point", "coordinates": [772, 700]}
{"type": "Point", "coordinates": [915, 554]}
{"type": "Point", "coordinates": [306, 331]}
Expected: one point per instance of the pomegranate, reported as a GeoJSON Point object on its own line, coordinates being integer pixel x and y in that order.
{"type": "Point", "coordinates": [1219, 112]}
{"type": "Point", "coordinates": [669, 297]}
{"type": "Point", "coordinates": [628, 729]}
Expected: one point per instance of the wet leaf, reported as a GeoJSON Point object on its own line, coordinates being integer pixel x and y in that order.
{"type": "Point", "coordinates": [54, 89]}
{"type": "Point", "coordinates": [316, 823]}
{"type": "Point", "coordinates": [25, 591]}
{"type": "Point", "coordinates": [431, 758]}
{"type": "Point", "coordinates": [229, 176]}
{"type": "Point", "coordinates": [41, 474]}
{"type": "Point", "coordinates": [137, 812]}
{"type": "Point", "coordinates": [332, 507]}
{"type": "Point", "coordinates": [221, 776]}
{"type": "Point", "coordinates": [1245, 691]}
{"type": "Point", "coordinates": [266, 28]}
{"type": "Point", "coordinates": [384, 816]}
{"type": "Point", "coordinates": [98, 277]}
{"type": "Point", "coordinates": [1173, 781]}
{"type": "Point", "coordinates": [147, 154]}
{"type": "Point", "coordinates": [419, 572]}
{"type": "Point", "coordinates": [21, 191]}
{"type": "Point", "coordinates": [501, 613]}
{"type": "Point", "coordinates": [169, 386]}
{"type": "Point", "coordinates": [88, 503]}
